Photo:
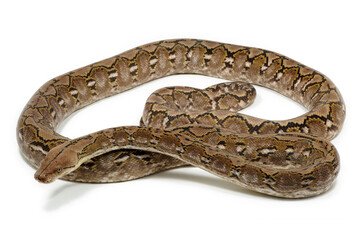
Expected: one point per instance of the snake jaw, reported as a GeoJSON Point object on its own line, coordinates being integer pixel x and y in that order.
{"type": "Point", "coordinates": [49, 176]}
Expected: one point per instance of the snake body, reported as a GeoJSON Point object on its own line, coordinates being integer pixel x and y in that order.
{"type": "Point", "coordinates": [180, 125]}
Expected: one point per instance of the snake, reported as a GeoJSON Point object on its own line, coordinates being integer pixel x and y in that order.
{"type": "Point", "coordinates": [183, 126]}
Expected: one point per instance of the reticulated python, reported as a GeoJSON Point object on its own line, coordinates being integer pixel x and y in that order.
{"type": "Point", "coordinates": [180, 125]}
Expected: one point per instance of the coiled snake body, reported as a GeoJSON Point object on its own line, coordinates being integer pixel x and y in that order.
{"type": "Point", "coordinates": [181, 125]}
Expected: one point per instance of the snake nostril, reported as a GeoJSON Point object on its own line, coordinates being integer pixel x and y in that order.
{"type": "Point", "coordinates": [41, 177]}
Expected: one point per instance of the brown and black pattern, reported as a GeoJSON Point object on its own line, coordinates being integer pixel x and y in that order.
{"type": "Point", "coordinates": [276, 166]}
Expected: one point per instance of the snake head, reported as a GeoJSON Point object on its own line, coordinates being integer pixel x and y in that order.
{"type": "Point", "coordinates": [57, 163]}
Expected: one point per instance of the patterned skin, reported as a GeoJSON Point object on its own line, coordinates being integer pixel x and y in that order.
{"type": "Point", "coordinates": [290, 158]}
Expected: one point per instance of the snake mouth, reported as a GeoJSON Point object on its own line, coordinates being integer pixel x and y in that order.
{"type": "Point", "coordinates": [43, 178]}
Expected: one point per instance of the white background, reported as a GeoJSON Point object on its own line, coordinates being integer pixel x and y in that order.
{"type": "Point", "coordinates": [43, 39]}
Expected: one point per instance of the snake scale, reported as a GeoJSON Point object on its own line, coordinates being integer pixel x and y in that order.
{"type": "Point", "coordinates": [182, 125]}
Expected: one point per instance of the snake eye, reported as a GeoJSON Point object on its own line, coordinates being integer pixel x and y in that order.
{"type": "Point", "coordinates": [59, 169]}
